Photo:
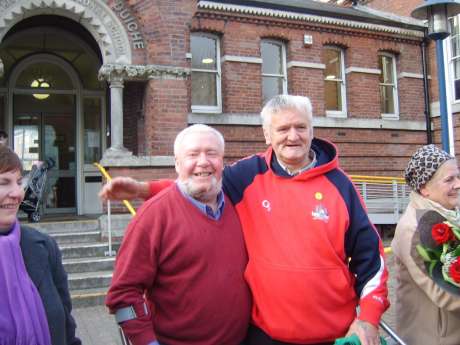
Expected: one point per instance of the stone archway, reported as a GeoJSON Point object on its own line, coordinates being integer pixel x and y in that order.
{"type": "Point", "coordinates": [94, 15]}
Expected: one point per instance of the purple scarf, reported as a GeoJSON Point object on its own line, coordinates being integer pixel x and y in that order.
{"type": "Point", "coordinates": [22, 315]}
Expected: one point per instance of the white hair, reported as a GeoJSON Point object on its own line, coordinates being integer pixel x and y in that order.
{"type": "Point", "coordinates": [197, 128]}
{"type": "Point", "coordinates": [282, 102]}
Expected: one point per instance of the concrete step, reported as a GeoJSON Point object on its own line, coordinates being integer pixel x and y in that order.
{"type": "Point", "coordinates": [88, 297]}
{"type": "Point", "coordinates": [71, 251]}
{"type": "Point", "coordinates": [67, 226]}
{"type": "Point", "coordinates": [77, 237]}
{"type": "Point", "coordinates": [89, 280]}
{"type": "Point", "coordinates": [80, 265]}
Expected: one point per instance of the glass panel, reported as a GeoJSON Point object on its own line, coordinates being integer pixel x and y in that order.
{"type": "Point", "coordinates": [204, 88]}
{"type": "Point", "coordinates": [456, 65]}
{"type": "Point", "coordinates": [204, 52]}
{"type": "Point", "coordinates": [26, 139]}
{"type": "Point", "coordinates": [271, 86]}
{"type": "Point", "coordinates": [333, 64]}
{"type": "Point", "coordinates": [387, 102]}
{"type": "Point", "coordinates": [48, 133]}
{"type": "Point", "coordinates": [92, 130]}
{"type": "Point", "coordinates": [455, 44]}
{"type": "Point", "coordinates": [386, 66]}
{"type": "Point", "coordinates": [271, 57]}
{"type": "Point", "coordinates": [457, 89]}
{"type": "Point", "coordinates": [333, 95]}
{"type": "Point", "coordinates": [44, 75]}
{"type": "Point", "coordinates": [454, 27]}
{"type": "Point", "coordinates": [2, 114]}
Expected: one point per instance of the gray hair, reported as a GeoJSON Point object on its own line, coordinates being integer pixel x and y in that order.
{"type": "Point", "coordinates": [197, 128]}
{"type": "Point", "coordinates": [282, 102]}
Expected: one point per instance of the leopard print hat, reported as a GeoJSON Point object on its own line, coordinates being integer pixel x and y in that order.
{"type": "Point", "coordinates": [423, 165]}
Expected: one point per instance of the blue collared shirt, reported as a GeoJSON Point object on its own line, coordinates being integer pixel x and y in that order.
{"type": "Point", "coordinates": [205, 208]}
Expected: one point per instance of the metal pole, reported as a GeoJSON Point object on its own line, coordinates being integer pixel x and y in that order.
{"type": "Point", "coordinates": [109, 226]}
{"type": "Point", "coordinates": [442, 95]}
{"type": "Point", "coordinates": [391, 333]}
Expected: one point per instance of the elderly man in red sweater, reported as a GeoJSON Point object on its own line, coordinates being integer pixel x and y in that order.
{"type": "Point", "coordinates": [178, 277]}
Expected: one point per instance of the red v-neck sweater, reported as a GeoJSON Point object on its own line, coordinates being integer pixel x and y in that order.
{"type": "Point", "coordinates": [190, 268]}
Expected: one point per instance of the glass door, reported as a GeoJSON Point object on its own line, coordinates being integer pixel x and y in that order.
{"type": "Point", "coordinates": [49, 133]}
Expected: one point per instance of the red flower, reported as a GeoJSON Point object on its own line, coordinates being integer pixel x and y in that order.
{"type": "Point", "coordinates": [442, 233]}
{"type": "Point", "coordinates": [454, 270]}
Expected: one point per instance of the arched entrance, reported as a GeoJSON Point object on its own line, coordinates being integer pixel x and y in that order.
{"type": "Point", "coordinates": [56, 107]}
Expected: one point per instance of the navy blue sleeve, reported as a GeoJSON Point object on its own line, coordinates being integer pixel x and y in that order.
{"type": "Point", "coordinates": [361, 238]}
{"type": "Point", "coordinates": [238, 176]}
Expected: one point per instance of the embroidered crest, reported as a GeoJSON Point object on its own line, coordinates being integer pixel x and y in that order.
{"type": "Point", "coordinates": [320, 213]}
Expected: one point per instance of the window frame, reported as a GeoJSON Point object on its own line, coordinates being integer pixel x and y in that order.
{"type": "Point", "coordinates": [283, 76]}
{"type": "Point", "coordinates": [215, 109]}
{"type": "Point", "coordinates": [343, 85]}
{"type": "Point", "coordinates": [395, 115]}
{"type": "Point", "coordinates": [451, 60]}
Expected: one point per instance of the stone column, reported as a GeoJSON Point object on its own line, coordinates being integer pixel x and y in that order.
{"type": "Point", "coordinates": [114, 75]}
{"type": "Point", "coordinates": [116, 115]}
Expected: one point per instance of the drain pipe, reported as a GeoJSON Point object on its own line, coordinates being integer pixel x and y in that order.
{"type": "Point", "coordinates": [426, 93]}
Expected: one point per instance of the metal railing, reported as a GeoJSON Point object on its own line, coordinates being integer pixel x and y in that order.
{"type": "Point", "coordinates": [385, 197]}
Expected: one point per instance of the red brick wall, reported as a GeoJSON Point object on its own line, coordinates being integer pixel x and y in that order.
{"type": "Point", "coordinates": [403, 8]}
{"type": "Point", "coordinates": [166, 104]}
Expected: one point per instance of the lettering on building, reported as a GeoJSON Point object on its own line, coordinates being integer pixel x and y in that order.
{"type": "Point", "coordinates": [124, 13]}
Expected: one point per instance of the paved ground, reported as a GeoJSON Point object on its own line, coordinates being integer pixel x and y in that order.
{"type": "Point", "coordinates": [97, 327]}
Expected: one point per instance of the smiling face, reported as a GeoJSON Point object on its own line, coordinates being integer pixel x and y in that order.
{"type": "Point", "coordinates": [11, 195]}
{"type": "Point", "coordinates": [199, 165]}
{"type": "Point", "coordinates": [290, 133]}
{"type": "Point", "coordinates": [444, 186]}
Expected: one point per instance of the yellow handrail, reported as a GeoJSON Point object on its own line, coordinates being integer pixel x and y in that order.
{"type": "Point", "coordinates": [107, 176]}
{"type": "Point", "coordinates": [377, 179]}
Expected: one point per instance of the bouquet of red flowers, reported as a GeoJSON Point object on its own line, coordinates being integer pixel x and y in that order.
{"type": "Point", "coordinates": [439, 248]}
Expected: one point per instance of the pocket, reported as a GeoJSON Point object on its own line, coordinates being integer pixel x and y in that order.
{"type": "Point", "coordinates": [308, 304]}
{"type": "Point", "coordinates": [442, 322]}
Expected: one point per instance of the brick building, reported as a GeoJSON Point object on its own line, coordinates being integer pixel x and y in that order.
{"type": "Point", "coordinates": [114, 81]}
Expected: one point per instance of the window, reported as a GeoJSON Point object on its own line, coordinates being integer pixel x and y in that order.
{"type": "Point", "coordinates": [274, 80]}
{"type": "Point", "coordinates": [334, 82]}
{"type": "Point", "coordinates": [388, 86]}
{"type": "Point", "coordinates": [455, 56]}
{"type": "Point", "coordinates": [205, 77]}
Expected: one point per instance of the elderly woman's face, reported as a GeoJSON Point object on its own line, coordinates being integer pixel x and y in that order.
{"type": "Point", "coordinates": [444, 186]}
{"type": "Point", "coordinates": [11, 195]}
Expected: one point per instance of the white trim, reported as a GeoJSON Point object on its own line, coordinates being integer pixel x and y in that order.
{"type": "Point", "coordinates": [253, 119]}
{"type": "Point", "coordinates": [242, 59]}
{"type": "Point", "coordinates": [353, 69]}
{"type": "Point", "coordinates": [218, 73]}
{"type": "Point", "coordinates": [250, 10]}
{"type": "Point", "coordinates": [304, 64]}
{"type": "Point", "coordinates": [342, 113]}
{"type": "Point", "coordinates": [395, 115]}
{"type": "Point", "coordinates": [411, 75]}
{"type": "Point", "coordinates": [449, 95]}
{"type": "Point", "coordinates": [283, 76]}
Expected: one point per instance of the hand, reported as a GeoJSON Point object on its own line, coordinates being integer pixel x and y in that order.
{"type": "Point", "coordinates": [367, 333]}
{"type": "Point", "coordinates": [122, 188]}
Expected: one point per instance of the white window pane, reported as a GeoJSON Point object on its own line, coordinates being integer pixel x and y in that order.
{"type": "Point", "coordinates": [271, 57]}
{"type": "Point", "coordinates": [454, 27]}
{"type": "Point", "coordinates": [387, 101]}
{"type": "Point", "coordinates": [203, 52]}
{"type": "Point", "coordinates": [455, 44]}
{"type": "Point", "coordinates": [333, 63]}
{"type": "Point", "coordinates": [333, 95]}
{"type": "Point", "coordinates": [386, 66]}
{"type": "Point", "coordinates": [271, 86]}
{"type": "Point", "coordinates": [457, 89]}
{"type": "Point", "coordinates": [204, 89]}
{"type": "Point", "coordinates": [456, 64]}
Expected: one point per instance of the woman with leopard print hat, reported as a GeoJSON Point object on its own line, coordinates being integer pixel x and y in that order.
{"type": "Point", "coordinates": [425, 312]}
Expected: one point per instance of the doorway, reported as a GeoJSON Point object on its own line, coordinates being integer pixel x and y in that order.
{"type": "Point", "coordinates": [45, 134]}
